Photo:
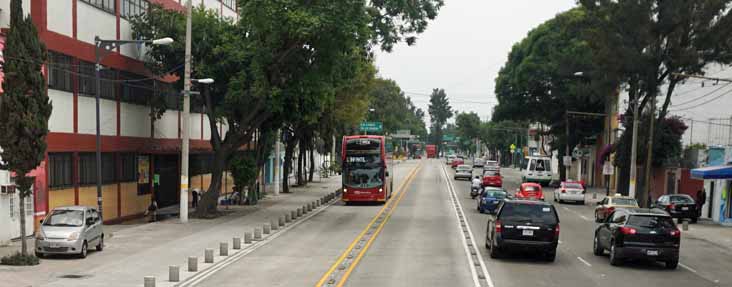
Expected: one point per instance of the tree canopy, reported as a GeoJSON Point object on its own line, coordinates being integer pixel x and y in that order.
{"type": "Point", "coordinates": [396, 111]}
{"type": "Point", "coordinates": [440, 111]}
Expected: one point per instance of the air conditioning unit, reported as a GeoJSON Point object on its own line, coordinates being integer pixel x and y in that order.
{"type": "Point", "coordinates": [7, 189]}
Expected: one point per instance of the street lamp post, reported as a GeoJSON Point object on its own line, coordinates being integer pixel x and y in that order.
{"type": "Point", "coordinates": [185, 148]}
{"type": "Point", "coordinates": [101, 50]}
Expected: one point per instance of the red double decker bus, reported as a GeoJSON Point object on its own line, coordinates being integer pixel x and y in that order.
{"type": "Point", "coordinates": [365, 173]}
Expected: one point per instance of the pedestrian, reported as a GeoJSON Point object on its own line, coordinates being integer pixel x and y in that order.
{"type": "Point", "coordinates": [194, 195]}
{"type": "Point", "coordinates": [701, 199]}
{"type": "Point", "coordinates": [152, 210]}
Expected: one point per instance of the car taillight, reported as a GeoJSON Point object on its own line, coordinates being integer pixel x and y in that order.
{"type": "Point", "coordinates": [627, 230]}
{"type": "Point", "coordinates": [675, 233]}
{"type": "Point", "coordinates": [564, 191]}
{"type": "Point", "coordinates": [498, 226]}
{"type": "Point", "coordinates": [556, 231]}
{"type": "Point", "coordinates": [610, 209]}
{"type": "Point", "coordinates": [671, 206]}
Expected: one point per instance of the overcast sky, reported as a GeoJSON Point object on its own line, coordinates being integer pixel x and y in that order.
{"type": "Point", "coordinates": [463, 49]}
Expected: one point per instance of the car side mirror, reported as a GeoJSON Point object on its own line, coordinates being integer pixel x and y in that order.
{"type": "Point", "coordinates": [89, 221]}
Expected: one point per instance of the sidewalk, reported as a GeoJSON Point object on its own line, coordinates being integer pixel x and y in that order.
{"type": "Point", "coordinates": [150, 248]}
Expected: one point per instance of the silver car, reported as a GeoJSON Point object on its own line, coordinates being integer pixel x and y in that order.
{"type": "Point", "coordinates": [464, 171]}
{"type": "Point", "coordinates": [70, 230]}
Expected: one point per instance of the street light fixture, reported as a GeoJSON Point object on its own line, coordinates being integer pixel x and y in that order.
{"type": "Point", "coordinates": [185, 148]}
{"type": "Point", "coordinates": [102, 48]}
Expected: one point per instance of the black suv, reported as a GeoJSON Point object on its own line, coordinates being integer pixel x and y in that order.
{"type": "Point", "coordinates": [523, 225]}
{"type": "Point", "coordinates": [639, 233]}
{"type": "Point", "coordinates": [678, 206]}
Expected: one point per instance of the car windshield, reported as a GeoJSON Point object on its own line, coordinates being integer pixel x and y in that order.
{"type": "Point", "coordinates": [531, 188]}
{"type": "Point", "coordinates": [65, 218]}
{"type": "Point", "coordinates": [573, 185]}
{"type": "Point", "coordinates": [490, 173]}
{"type": "Point", "coordinates": [538, 213]}
{"type": "Point", "coordinates": [681, 199]}
{"type": "Point", "coordinates": [624, 201]}
{"type": "Point", "coordinates": [491, 163]}
{"type": "Point", "coordinates": [363, 166]}
{"type": "Point", "coordinates": [649, 221]}
{"type": "Point", "coordinates": [540, 165]}
{"type": "Point", "coordinates": [464, 168]}
{"type": "Point", "coordinates": [494, 193]}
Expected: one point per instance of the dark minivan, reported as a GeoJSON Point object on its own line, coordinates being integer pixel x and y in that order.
{"type": "Point", "coordinates": [639, 233]}
{"type": "Point", "coordinates": [523, 225]}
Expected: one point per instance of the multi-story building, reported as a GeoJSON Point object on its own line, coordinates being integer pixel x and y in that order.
{"type": "Point", "coordinates": [140, 154]}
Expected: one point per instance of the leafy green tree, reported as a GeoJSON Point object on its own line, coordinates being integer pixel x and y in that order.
{"type": "Point", "coordinates": [24, 108]}
{"type": "Point", "coordinates": [645, 44]}
{"type": "Point", "coordinates": [539, 83]}
{"type": "Point", "coordinates": [275, 64]}
{"type": "Point", "coordinates": [390, 106]}
{"type": "Point", "coordinates": [498, 137]}
{"type": "Point", "coordinates": [440, 111]}
{"type": "Point", "coordinates": [468, 129]}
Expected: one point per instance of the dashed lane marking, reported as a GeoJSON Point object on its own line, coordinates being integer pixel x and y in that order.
{"type": "Point", "coordinates": [584, 261]}
{"type": "Point", "coordinates": [687, 268]}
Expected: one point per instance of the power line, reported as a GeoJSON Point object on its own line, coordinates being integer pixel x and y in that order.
{"type": "Point", "coordinates": [703, 96]}
{"type": "Point", "coordinates": [704, 103]}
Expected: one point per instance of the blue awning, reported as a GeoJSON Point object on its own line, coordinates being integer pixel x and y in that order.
{"type": "Point", "coordinates": [712, 172]}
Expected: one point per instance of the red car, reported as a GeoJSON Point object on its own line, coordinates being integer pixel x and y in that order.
{"type": "Point", "coordinates": [492, 178]}
{"type": "Point", "coordinates": [456, 162]}
{"type": "Point", "coordinates": [530, 190]}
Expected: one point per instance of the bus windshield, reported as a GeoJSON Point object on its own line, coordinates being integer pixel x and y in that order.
{"type": "Point", "coordinates": [363, 166]}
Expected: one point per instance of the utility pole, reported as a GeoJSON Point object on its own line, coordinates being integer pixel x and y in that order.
{"type": "Point", "coordinates": [649, 154]}
{"type": "Point", "coordinates": [186, 120]}
{"type": "Point", "coordinates": [634, 149]}
{"type": "Point", "coordinates": [566, 146]}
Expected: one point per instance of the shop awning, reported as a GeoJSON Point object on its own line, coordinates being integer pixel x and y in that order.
{"type": "Point", "coordinates": [712, 172]}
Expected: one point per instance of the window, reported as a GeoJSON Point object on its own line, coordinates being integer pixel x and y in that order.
{"type": "Point", "coordinates": [129, 167]}
{"type": "Point", "coordinates": [136, 89]}
{"type": "Point", "coordinates": [88, 168]}
{"type": "Point", "coordinates": [200, 164]}
{"type": "Point", "coordinates": [12, 207]}
{"type": "Point", "coordinates": [59, 72]}
{"type": "Point", "coordinates": [133, 8]}
{"type": "Point", "coordinates": [108, 84]}
{"type": "Point", "coordinates": [60, 165]}
{"type": "Point", "coordinates": [230, 3]}
{"type": "Point", "coordinates": [29, 207]}
{"type": "Point", "coordinates": [172, 99]}
{"type": "Point", "coordinates": [618, 217]}
{"type": "Point", "coordinates": [86, 77]}
{"type": "Point", "coordinates": [106, 5]}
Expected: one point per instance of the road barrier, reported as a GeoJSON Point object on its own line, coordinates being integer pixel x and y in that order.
{"type": "Point", "coordinates": [208, 255]}
{"type": "Point", "coordinates": [247, 238]}
{"type": "Point", "coordinates": [236, 243]}
{"type": "Point", "coordinates": [275, 225]}
{"type": "Point", "coordinates": [281, 221]}
{"type": "Point", "coordinates": [257, 234]}
{"type": "Point", "coordinates": [224, 249]}
{"type": "Point", "coordinates": [149, 281]}
{"type": "Point", "coordinates": [265, 228]}
{"type": "Point", "coordinates": [299, 211]}
{"type": "Point", "coordinates": [173, 273]}
{"type": "Point", "coordinates": [287, 218]}
{"type": "Point", "coordinates": [685, 225]}
{"type": "Point", "coordinates": [192, 264]}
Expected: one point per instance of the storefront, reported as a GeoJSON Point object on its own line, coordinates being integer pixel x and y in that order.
{"type": "Point", "coordinates": [718, 185]}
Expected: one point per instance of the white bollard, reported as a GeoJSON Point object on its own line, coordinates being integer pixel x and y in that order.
{"type": "Point", "coordinates": [257, 234]}
{"type": "Point", "coordinates": [192, 264]}
{"type": "Point", "coordinates": [149, 281]}
{"type": "Point", "coordinates": [247, 238]}
{"type": "Point", "coordinates": [281, 221]}
{"type": "Point", "coordinates": [224, 249]}
{"type": "Point", "coordinates": [275, 225]}
{"type": "Point", "coordinates": [265, 228]}
{"type": "Point", "coordinates": [236, 243]}
{"type": "Point", "coordinates": [287, 218]}
{"type": "Point", "coordinates": [173, 273]}
{"type": "Point", "coordinates": [208, 255]}
{"type": "Point", "coordinates": [685, 225]}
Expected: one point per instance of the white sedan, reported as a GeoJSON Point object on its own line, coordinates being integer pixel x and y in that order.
{"type": "Point", "coordinates": [570, 191]}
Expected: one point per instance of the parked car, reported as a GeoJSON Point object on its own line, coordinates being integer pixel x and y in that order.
{"type": "Point", "coordinates": [464, 171]}
{"type": "Point", "coordinates": [70, 230]}
{"type": "Point", "coordinates": [490, 199]}
{"type": "Point", "coordinates": [537, 169]}
{"type": "Point", "coordinates": [610, 203]}
{"type": "Point", "coordinates": [523, 225]}
{"type": "Point", "coordinates": [449, 159]}
{"type": "Point", "coordinates": [456, 162]}
{"type": "Point", "coordinates": [530, 191]}
{"type": "Point", "coordinates": [478, 162]}
{"type": "Point", "coordinates": [570, 191]}
{"type": "Point", "coordinates": [678, 206]}
{"type": "Point", "coordinates": [491, 165]}
{"type": "Point", "coordinates": [639, 233]}
{"type": "Point", "coordinates": [492, 178]}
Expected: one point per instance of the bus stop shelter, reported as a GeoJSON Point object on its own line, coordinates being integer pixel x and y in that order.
{"type": "Point", "coordinates": [718, 185]}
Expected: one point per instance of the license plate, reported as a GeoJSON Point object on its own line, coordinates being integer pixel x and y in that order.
{"type": "Point", "coordinates": [527, 232]}
{"type": "Point", "coordinates": [684, 208]}
{"type": "Point", "coordinates": [652, 252]}
{"type": "Point", "coordinates": [55, 245]}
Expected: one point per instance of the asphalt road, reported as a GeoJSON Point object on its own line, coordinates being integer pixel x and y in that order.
{"type": "Point", "coordinates": [421, 243]}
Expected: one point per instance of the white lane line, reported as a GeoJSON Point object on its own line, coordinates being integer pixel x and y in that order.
{"type": "Point", "coordinates": [560, 242]}
{"type": "Point", "coordinates": [458, 208]}
{"type": "Point", "coordinates": [687, 268]}
{"type": "Point", "coordinates": [584, 261]}
{"type": "Point", "coordinates": [585, 218]}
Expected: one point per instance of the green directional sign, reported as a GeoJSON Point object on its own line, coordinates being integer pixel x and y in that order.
{"type": "Point", "coordinates": [371, 126]}
{"type": "Point", "coordinates": [448, 138]}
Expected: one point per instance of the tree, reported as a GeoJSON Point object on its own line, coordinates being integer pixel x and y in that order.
{"type": "Point", "coordinates": [538, 82]}
{"type": "Point", "coordinates": [25, 107]}
{"type": "Point", "coordinates": [646, 44]}
{"type": "Point", "coordinates": [498, 137]}
{"type": "Point", "coordinates": [395, 110]}
{"type": "Point", "coordinates": [468, 128]}
{"type": "Point", "coordinates": [440, 111]}
{"type": "Point", "coordinates": [276, 62]}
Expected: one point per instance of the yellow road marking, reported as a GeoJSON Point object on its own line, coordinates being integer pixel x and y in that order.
{"type": "Point", "coordinates": [363, 232]}
{"type": "Point", "coordinates": [371, 240]}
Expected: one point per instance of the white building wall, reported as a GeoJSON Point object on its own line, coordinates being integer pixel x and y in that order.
{"type": "Point", "coordinates": [125, 33]}
{"type": "Point", "coordinates": [206, 128]}
{"type": "Point", "coordinates": [134, 120]}
{"type": "Point", "coordinates": [10, 213]}
{"type": "Point", "coordinates": [62, 116]}
{"type": "Point", "coordinates": [167, 126]}
{"type": "Point", "coordinates": [230, 13]}
{"type": "Point", "coordinates": [59, 17]}
{"type": "Point", "coordinates": [93, 22]}
{"type": "Point", "coordinates": [213, 5]}
{"type": "Point", "coordinates": [5, 11]}
{"type": "Point", "coordinates": [195, 126]}
{"type": "Point", "coordinates": [87, 116]}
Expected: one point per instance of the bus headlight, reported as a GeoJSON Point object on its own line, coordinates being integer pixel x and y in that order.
{"type": "Point", "coordinates": [345, 190]}
{"type": "Point", "coordinates": [381, 190]}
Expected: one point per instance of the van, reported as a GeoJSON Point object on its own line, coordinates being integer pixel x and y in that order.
{"type": "Point", "coordinates": [537, 169]}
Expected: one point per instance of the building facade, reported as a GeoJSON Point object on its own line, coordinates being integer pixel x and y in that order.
{"type": "Point", "coordinates": [140, 154]}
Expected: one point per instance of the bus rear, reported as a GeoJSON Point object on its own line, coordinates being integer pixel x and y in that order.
{"type": "Point", "coordinates": [365, 175]}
